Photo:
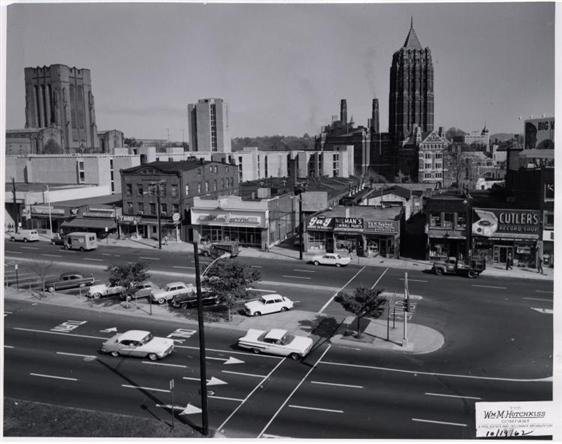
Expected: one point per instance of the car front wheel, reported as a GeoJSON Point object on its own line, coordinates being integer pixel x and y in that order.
{"type": "Point", "coordinates": [316, 263]}
{"type": "Point", "coordinates": [12, 239]}
{"type": "Point", "coordinates": [115, 354]}
{"type": "Point", "coordinates": [338, 264]}
{"type": "Point", "coordinates": [161, 301]}
{"type": "Point", "coordinates": [438, 271]}
{"type": "Point", "coordinates": [153, 356]}
{"type": "Point", "coordinates": [51, 289]}
{"type": "Point", "coordinates": [284, 308]}
{"type": "Point", "coordinates": [295, 356]}
{"type": "Point", "coordinates": [256, 351]}
{"type": "Point", "coordinates": [257, 313]}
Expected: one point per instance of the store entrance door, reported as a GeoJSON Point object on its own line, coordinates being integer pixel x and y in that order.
{"type": "Point", "coordinates": [501, 253]}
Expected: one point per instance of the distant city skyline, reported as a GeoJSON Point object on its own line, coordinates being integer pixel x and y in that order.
{"type": "Point", "coordinates": [282, 69]}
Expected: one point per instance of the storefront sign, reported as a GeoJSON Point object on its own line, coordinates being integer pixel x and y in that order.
{"type": "Point", "coordinates": [130, 219]}
{"type": "Point", "coordinates": [348, 223]}
{"type": "Point", "coordinates": [44, 209]}
{"type": "Point", "coordinates": [382, 226]}
{"type": "Point", "coordinates": [320, 223]}
{"type": "Point", "coordinates": [502, 223]}
{"type": "Point", "coordinates": [230, 219]}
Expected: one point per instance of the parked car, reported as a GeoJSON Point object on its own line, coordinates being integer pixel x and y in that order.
{"type": "Point", "coordinates": [331, 259]}
{"type": "Point", "coordinates": [269, 303]}
{"type": "Point", "coordinates": [57, 239]}
{"type": "Point", "coordinates": [276, 342]}
{"type": "Point", "coordinates": [102, 290]}
{"type": "Point", "coordinates": [24, 235]}
{"type": "Point", "coordinates": [189, 300]}
{"type": "Point", "coordinates": [215, 249]}
{"type": "Point", "coordinates": [69, 280]}
{"type": "Point", "coordinates": [144, 290]}
{"type": "Point", "coordinates": [172, 289]}
{"type": "Point", "coordinates": [452, 265]}
{"type": "Point", "coordinates": [139, 343]}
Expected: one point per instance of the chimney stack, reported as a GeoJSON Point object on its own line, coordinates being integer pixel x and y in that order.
{"type": "Point", "coordinates": [375, 117]}
{"type": "Point", "coordinates": [343, 111]}
{"type": "Point", "coordinates": [441, 131]}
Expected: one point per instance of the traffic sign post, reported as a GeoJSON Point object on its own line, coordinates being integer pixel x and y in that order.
{"type": "Point", "coordinates": [405, 338]}
{"type": "Point", "coordinates": [17, 280]}
{"type": "Point", "coordinates": [172, 395]}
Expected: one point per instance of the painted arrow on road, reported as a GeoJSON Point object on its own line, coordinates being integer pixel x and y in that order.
{"type": "Point", "coordinates": [187, 410]}
{"type": "Point", "coordinates": [212, 381]}
{"type": "Point", "coordinates": [543, 310]}
{"type": "Point", "coordinates": [230, 360]}
{"type": "Point", "coordinates": [109, 330]}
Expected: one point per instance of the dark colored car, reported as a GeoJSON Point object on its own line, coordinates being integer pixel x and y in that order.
{"type": "Point", "coordinates": [69, 280]}
{"type": "Point", "coordinates": [57, 239]}
{"type": "Point", "coordinates": [190, 300]}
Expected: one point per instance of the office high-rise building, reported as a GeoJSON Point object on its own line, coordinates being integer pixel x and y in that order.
{"type": "Point", "coordinates": [207, 121]}
{"type": "Point", "coordinates": [60, 96]}
{"type": "Point", "coordinates": [411, 88]}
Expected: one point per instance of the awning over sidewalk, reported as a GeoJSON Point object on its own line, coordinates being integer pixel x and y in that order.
{"type": "Point", "coordinates": [95, 224]}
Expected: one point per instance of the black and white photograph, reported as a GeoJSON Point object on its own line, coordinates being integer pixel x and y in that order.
{"type": "Point", "coordinates": [279, 220]}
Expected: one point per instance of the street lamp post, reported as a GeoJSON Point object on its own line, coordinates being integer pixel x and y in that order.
{"type": "Point", "coordinates": [16, 212]}
{"type": "Point", "coordinates": [298, 191]}
{"type": "Point", "coordinates": [468, 203]}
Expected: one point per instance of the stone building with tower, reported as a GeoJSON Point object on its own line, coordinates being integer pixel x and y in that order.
{"type": "Point", "coordinates": [58, 96]}
{"type": "Point", "coordinates": [207, 121]}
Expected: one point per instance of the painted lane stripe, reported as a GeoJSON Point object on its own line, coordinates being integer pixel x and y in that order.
{"type": "Point", "coordinates": [259, 385]}
{"type": "Point", "coordinates": [182, 267]}
{"type": "Point", "coordinates": [256, 266]}
{"type": "Point", "coordinates": [294, 390]}
{"type": "Point", "coordinates": [450, 375]}
{"type": "Point", "coordinates": [341, 289]}
{"type": "Point", "coordinates": [378, 280]}
{"type": "Point", "coordinates": [32, 330]}
{"type": "Point", "coordinates": [439, 422]}
{"type": "Point", "coordinates": [51, 255]}
{"type": "Point", "coordinates": [14, 252]}
{"type": "Point", "coordinates": [41, 375]}
{"type": "Point", "coordinates": [77, 355]}
{"type": "Point", "coordinates": [243, 374]}
{"type": "Point", "coordinates": [225, 398]}
{"type": "Point", "coordinates": [164, 365]}
{"type": "Point", "coordinates": [30, 248]}
{"type": "Point", "coordinates": [314, 408]}
{"type": "Point", "coordinates": [337, 385]}
{"type": "Point", "coordinates": [152, 389]}
{"type": "Point", "coordinates": [304, 271]}
{"type": "Point", "coordinates": [295, 277]}
{"type": "Point", "coordinates": [444, 395]}
{"type": "Point", "coordinates": [414, 280]}
{"type": "Point", "coordinates": [8, 346]}
{"type": "Point", "coordinates": [262, 290]}
{"type": "Point", "coordinates": [490, 286]}
{"type": "Point", "coordinates": [543, 291]}
{"type": "Point", "coordinates": [150, 258]}
{"type": "Point", "coordinates": [538, 299]}
{"type": "Point", "coordinates": [93, 259]}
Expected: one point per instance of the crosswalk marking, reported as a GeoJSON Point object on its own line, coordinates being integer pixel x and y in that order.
{"type": "Point", "coordinates": [68, 326]}
{"type": "Point", "coordinates": [182, 333]}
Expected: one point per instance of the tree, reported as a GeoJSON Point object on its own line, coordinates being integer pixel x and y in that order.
{"type": "Point", "coordinates": [42, 270]}
{"type": "Point", "coordinates": [230, 280]}
{"type": "Point", "coordinates": [363, 302]}
{"type": "Point", "coordinates": [127, 275]}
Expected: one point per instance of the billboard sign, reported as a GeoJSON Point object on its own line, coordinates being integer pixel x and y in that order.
{"type": "Point", "coordinates": [382, 226]}
{"type": "Point", "coordinates": [539, 133]}
{"type": "Point", "coordinates": [506, 223]}
{"type": "Point", "coordinates": [348, 223]}
{"type": "Point", "coordinates": [320, 223]}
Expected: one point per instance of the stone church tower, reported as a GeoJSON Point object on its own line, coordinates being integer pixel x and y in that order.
{"type": "Point", "coordinates": [411, 88]}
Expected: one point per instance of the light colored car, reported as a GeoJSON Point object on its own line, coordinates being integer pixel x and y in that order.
{"type": "Point", "coordinates": [276, 342]}
{"type": "Point", "coordinates": [172, 289]}
{"type": "Point", "coordinates": [144, 290]}
{"type": "Point", "coordinates": [331, 259]}
{"type": "Point", "coordinates": [138, 343]}
{"type": "Point", "coordinates": [101, 290]}
{"type": "Point", "coordinates": [24, 235]}
{"type": "Point", "coordinates": [269, 303]}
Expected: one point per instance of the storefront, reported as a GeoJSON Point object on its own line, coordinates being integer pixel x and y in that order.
{"type": "Point", "coordinates": [99, 220]}
{"type": "Point", "coordinates": [45, 217]}
{"type": "Point", "coordinates": [383, 238]}
{"type": "Point", "coordinates": [348, 235]}
{"type": "Point", "coordinates": [247, 230]}
{"type": "Point", "coordinates": [501, 234]}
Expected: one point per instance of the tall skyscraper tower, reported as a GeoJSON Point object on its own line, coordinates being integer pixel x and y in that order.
{"type": "Point", "coordinates": [375, 116]}
{"type": "Point", "coordinates": [60, 96]}
{"type": "Point", "coordinates": [207, 121]}
{"type": "Point", "coordinates": [411, 88]}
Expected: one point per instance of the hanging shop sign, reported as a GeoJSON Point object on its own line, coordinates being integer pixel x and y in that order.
{"type": "Point", "coordinates": [44, 209]}
{"type": "Point", "coordinates": [506, 223]}
{"type": "Point", "coordinates": [320, 223]}
{"type": "Point", "coordinates": [348, 224]}
{"type": "Point", "coordinates": [382, 226]}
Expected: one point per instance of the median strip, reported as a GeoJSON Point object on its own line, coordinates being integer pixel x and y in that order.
{"type": "Point", "coordinates": [439, 422]}
{"type": "Point", "coordinates": [341, 289]}
{"type": "Point", "coordinates": [152, 389]}
{"type": "Point", "coordinates": [41, 375]}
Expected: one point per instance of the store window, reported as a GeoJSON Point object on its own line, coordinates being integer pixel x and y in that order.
{"type": "Point", "coordinates": [174, 190]}
{"type": "Point", "coordinates": [461, 220]}
{"type": "Point", "coordinates": [448, 220]}
{"type": "Point", "coordinates": [548, 217]}
{"type": "Point", "coordinates": [152, 208]}
{"type": "Point", "coordinates": [128, 189]}
{"type": "Point", "coordinates": [175, 208]}
{"type": "Point", "coordinates": [435, 220]}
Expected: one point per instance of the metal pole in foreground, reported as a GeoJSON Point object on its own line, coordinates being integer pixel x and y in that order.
{"type": "Point", "coordinates": [17, 280]}
{"type": "Point", "coordinates": [301, 227]}
{"type": "Point", "coordinates": [172, 395]}
{"type": "Point", "coordinates": [405, 338]}
{"type": "Point", "coordinates": [17, 218]}
{"type": "Point", "coordinates": [158, 215]}
{"type": "Point", "coordinates": [202, 362]}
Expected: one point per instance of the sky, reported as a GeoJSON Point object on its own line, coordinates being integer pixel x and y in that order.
{"type": "Point", "coordinates": [283, 69]}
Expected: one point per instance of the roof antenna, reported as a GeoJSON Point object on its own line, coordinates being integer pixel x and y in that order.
{"type": "Point", "coordinates": [411, 22]}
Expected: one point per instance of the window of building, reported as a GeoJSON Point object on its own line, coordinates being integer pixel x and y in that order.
{"type": "Point", "coordinates": [215, 185]}
{"type": "Point", "coordinates": [199, 188]}
{"type": "Point", "coordinates": [548, 220]}
{"type": "Point", "coordinates": [187, 190]}
{"type": "Point", "coordinates": [175, 208]}
{"type": "Point", "coordinates": [140, 189]}
{"type": "Point", "coordinates": [240, 176]}
{"type": "Point", "coordinates": [222, 183]}
{"type": "Point", "coordinates": [110, 164]}
{"type": "Point", "coordinates": [81, 172]}
{"type": "Point", "coordinates": [174, 190]}
{"type": "Point", "coordinates": [164, 208]}
{"type": "Point", "coordinates": [128, 189]}
{"type": "Point", "coordinates": [129, 207]}
{"type": "Point", "coordinates": [461, 220]}
{"type": "Point", "coordinates": [428, 155]}
{"type": "Point", "coordinates": [435, 220]}
{"type": "Point", "coordinates": [152, 208]}
{"type": "Point", "coordinates": [206, 186]}
{"type": "Point", "coordinates": [427, 166]}
{"type": "Point", "coordinates": [438, 165]}
{"type": "Point", "coordinates": [141, 208]}
{"type": "Point", "coordinates": [438, 155]}
{"type": "Point", "coordinates": [448, 219]}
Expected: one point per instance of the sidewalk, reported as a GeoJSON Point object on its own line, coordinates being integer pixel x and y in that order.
{"type": "Point", "coordinates": [319, 326]}
{"type": "Point", "coordinates": [286, 254]}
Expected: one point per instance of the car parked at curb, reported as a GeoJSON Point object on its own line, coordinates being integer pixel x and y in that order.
{"type": "Point", "coordinates": [57, 239]}
{"type": "Point", "coordinates": [138, 343]}
{"type": "Point", "coordinates": [276, 342]}
{"type": "Point", "coordinates": [144, 290]}
{"type": "Point", "coordinates": [266, 304]}
{"type": "Point", "coordinates": [189, 300]}
{"type": "Point", "coordinates": [172, 289]}
{"type": "Point", "coordinates": [104, 290]}
{"type": "Point", "coordinates": [69, 280]}
{"type": "Point", "coordinates": [331, 259]}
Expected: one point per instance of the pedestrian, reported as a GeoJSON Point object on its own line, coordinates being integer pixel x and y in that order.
{"type": "Point", "coordinates": [166, 240]}
{"type": "Point", "coordinates": [508, 262]}
{"type": "Point", "coordinates": [539, 265]}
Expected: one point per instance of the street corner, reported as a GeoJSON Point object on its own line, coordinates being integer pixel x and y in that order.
{"type": "Point", "coordinates": [376, 334]}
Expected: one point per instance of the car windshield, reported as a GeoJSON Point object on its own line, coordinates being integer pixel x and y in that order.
{"type": "Point", "coordinates": [287, 339]}
{"type": "Point", "coordinates": [147, 338]}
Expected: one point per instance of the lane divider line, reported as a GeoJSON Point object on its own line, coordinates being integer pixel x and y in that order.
{"type": "Point", "coordinates": [164, 364]}
{"type": "Point", "coordinates": [414, 280]}
{"type": "Point", "coordinates": [445, 395]}
{"type": "Point", "coordinates": [314, 408]}
{"type": "Point", "coordinates": [152, 389]}
{"type": "Point", "coordinates": [294, 391]}
{"type": "Point", "coordinates": [294, 277]}
{"type": "Point", "coordinates": [458, 424]}
{"type": "Point", "coordinates": [225, 398]}
{"type": "Point", "coordinates": [303, 270]}
{"type": "Point", "coordinates": [150, 258]}
{"type": "Point", "coordinates": [41, 375]}
{"type": "Point", "coordinates": [93, 259]}
{"type": "Point", "coordinates": [8, 346]}
{"type": "Point", "coordinates": [77, 355]}
{"type": "Point", "coordinates": [51, 255]}
{"type": "Point", "coordinates": [539, 299]}
{"type": "Point", "coordinates": [341, 289]}
{"type": "Point", "coordinates": [243, 374]}
{"type": "Point", "coordinates": [489, 286]}
{"type": "Point", "coordinates": [337, 385]}
{"type": "Point", "coordinates": [543, 291]}
{"type": "Point", "coordinates": [32, 330]}
{"type": "Point", "coordinates": [379, 279]}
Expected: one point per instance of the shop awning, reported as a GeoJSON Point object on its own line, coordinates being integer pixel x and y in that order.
{"type": "Point", "coordinates": [95, 224]}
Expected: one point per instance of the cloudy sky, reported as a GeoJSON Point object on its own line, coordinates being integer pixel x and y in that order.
{"type": "Point", "coordinates": [284, 68]}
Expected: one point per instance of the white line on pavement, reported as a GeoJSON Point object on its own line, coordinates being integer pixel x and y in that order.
{"type": "Point", "coordinates": [294, 277]}
{"type": "Point", "coordinates": [77, 355]}
{"type": "Point", "coordinates": [314, 408]}
{"type": "Point", "coordinates": [150, 258]}
{"type": "Point", "coordinates": [345, 285]}
{"type": "Point", "coordinates": [539, 299]}
{"type": "Point", "coordinates": [93, 259]}
{"type": "Point", "coordinates": [165, 365]}
{"type": "Point", "coordinates": [30, 248]}
{"type": "Point", "coordinates": [221, 427]}
{"type": "Point", "coordinates": [444, 395]}
{"type": "Point", "coordinates": [152, 389]}
{"type": "Point", "coordinates": [243, 374]}
{"type": "Point", "coordinates": [440, 422]}
{"type": "Point", "coordinates": [450, 375]}
{"type": "Point", "coordinates": [182, 267]}
{"type": "Point", "coordinates": [380, 277]}
{"type": "Point", "coordinates": [304, 271]}
{"type": "Point", "coordinates": [51, 255]}
{"type": "Point", "coordinates": [8, 346]}
{"type": "Point", "coordinates": [414, 280]}
{"type": "Point", "coordinates": [14, 252]}
{"type": "Point", "coordinates": [41, 375]}
{"type": "Point", "coordinates": [294, 390]}
{"type": "Point", "coordinates": [58, 333]}
{"type": "Point", "coordinates": [225, 398]}
{"type": "Point", "coordinates": [337, 385]}
{"type": "Point", "coordinates": [543, 291]}
{"type": "Point", "coordinates": [490, 286]}
{"type": "Point", "coordinates": [256, 266]}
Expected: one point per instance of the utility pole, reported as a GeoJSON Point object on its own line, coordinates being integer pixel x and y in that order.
{"type": "Point", "coordinates": [17, 221]}
{"type": "Point", "coordinates": [50, 218]}
{"type": "Point", "coordinates": [406, 310]}
{"type": "Point", "coordinates": [298, 191]}
{"type": "Point", "coordinates": [202, 357]}
{"type": "Point", "coordinates": [158, 216]}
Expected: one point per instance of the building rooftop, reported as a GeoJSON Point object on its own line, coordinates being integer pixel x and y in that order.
{"type": "Point", "coordinates": [366, 212]}
{"type": "Point", "coordinates": [108, 200]}
{"type": "Point", "coordinates": [412, 41]}
{"type": "Point", "coordinates": [34, 187]}
{"type": "Point", "coordinates": [182, 165]}
{"type": "Point", "coordinates": [537, 153]}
